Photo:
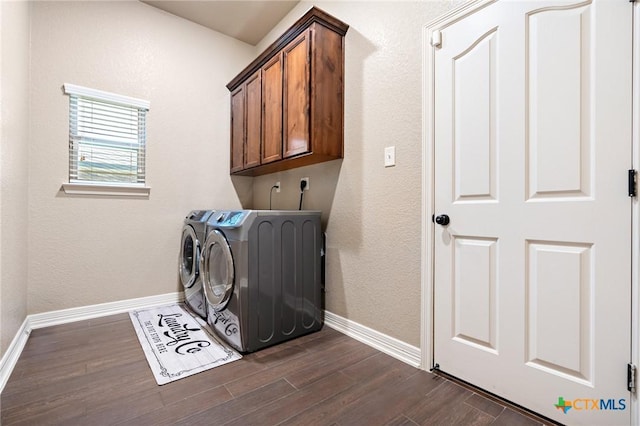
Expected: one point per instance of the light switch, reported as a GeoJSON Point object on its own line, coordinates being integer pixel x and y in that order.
{"type": "Point", "coordinates": [390, 156]}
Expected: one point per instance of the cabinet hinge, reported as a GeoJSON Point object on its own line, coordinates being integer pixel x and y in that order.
{"type": "Point", "coordinates": [632, 182]}
{"type": "Point", "coordinates": [631, 378]}
{"type": "Point", "coordinates": [436, 38]}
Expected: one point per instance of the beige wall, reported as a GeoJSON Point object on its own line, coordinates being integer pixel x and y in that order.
{"type": "Point", "coordinates": [14, 135]}
{"type": "Point", "coordinates": [90, 250]}
{"type": "Point", "coordinates": [372, 213]}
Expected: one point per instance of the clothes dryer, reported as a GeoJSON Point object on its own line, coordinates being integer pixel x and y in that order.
{"type": "Point", "coordinates": [193, 236]}
{"type": "Point", "coordinates": [261, 272]}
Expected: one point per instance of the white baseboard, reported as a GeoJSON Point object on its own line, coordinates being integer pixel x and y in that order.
{"type": "Point", "coordinates": [10, 357]}
{"type": "Point", "coordinates": [382, 342]}
{"type": "Point", "coordinates": [47, 319]}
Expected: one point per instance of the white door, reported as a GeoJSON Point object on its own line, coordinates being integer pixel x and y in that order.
{"type": "Point", "coordinates": [532, 145]}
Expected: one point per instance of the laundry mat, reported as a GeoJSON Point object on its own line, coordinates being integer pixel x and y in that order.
{"type": "Point", "coordinates": [178, 344]}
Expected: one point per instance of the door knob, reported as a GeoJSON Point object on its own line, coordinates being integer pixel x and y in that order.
{"type": "Point", "coordinates": [443, 220]}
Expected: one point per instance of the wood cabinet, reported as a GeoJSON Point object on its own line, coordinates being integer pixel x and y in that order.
{"type": "Point", "coordinates": [246, 124]}
{"type": "Point", "coordinates": [287, 105]}
{"type": "Point", "coordinates": [237, 129]}
{"type": "Point", "coordinates": [253, 121]}
{"type": "Point", "coordinates": [296, 96]}
{"type": "Point", "coordinates": [272, 110]}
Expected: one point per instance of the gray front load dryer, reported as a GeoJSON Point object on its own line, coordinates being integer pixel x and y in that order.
{"type": "Point", "coordinates": [193, 236]}
{"type": "Point", "coordinates": [261, 271]}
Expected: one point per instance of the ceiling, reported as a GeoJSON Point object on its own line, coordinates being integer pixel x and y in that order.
{"type": "Point", "coordinates": [246, 20]}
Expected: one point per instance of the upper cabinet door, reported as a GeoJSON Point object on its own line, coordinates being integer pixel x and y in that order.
{"type": "Point", "coordinates": [253, 121]}
{"type": "Point", "coordinates": [272, 110]}
{"type": "Point", "coordinates": [296, 95]}
{"type": "Point", "coordinates": [237, 129]}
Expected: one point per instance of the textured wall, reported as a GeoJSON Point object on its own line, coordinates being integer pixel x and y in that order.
{"type": "Point", "coordinates": [94, 250]}
{"type": "Point", "coordinates": [14, 135]}
{"type": "Point", "coordinates": [88, 250]}
{"type": "Point", "coordinates": [372, 213]}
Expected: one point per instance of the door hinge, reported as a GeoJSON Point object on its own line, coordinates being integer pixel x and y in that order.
{"type": "Point", "coordinates": [632, 183]}
{"type": "Point", "coordinates": [436, 38]}
{"type": "Point", "coordinates": [631, 378]}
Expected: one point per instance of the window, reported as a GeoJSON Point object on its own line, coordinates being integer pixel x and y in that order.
{"type": "Point", "coordinates": [107, 135]}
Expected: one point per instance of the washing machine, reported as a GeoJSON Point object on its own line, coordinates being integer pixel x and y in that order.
{"type": "Point", "coordinates": [261, 272]}
{"type": "Point", "coordinates": [193, 236]}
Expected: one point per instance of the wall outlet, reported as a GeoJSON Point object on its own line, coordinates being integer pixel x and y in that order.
{"type": "Point", "coordinates": [277, 185]}
{"type": "Point", "coordinates": [306, 188]}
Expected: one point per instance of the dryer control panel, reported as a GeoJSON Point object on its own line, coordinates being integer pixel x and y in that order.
{"type": "Point", "coordinates": [229, 219]}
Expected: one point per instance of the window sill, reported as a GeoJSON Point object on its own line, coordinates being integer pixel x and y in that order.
{"type": "Point", "coordinates": [106, 190]}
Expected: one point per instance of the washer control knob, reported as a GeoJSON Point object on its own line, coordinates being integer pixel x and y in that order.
{"type": "Point", "coordinates": [443, 220]}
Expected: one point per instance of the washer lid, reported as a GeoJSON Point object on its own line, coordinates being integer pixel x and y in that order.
{"type": "Point", "coordinates": [217, 270]}
{"type": "Point", "coordinates": [189, 257]}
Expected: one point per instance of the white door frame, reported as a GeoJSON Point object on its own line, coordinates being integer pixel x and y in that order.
{"type": "Point", "coordinates": [428, 145]}
{"type": "Point", "coordinates": [635, 212]}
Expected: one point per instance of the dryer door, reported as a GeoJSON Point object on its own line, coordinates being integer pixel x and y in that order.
{"type": "Point", "coordinates": [217, 270]}
{"type": "Point", "coordinates": [189, 257]}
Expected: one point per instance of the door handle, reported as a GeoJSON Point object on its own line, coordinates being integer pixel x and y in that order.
{"type": "Point", "coordinates": [442, 219]}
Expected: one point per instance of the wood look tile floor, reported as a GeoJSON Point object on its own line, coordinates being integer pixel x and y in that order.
{"type": "Point", "coordinates": [94, 373]}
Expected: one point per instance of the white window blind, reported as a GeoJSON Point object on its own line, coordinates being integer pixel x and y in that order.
{"type": "Point", "coordinates": [107, 137]}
